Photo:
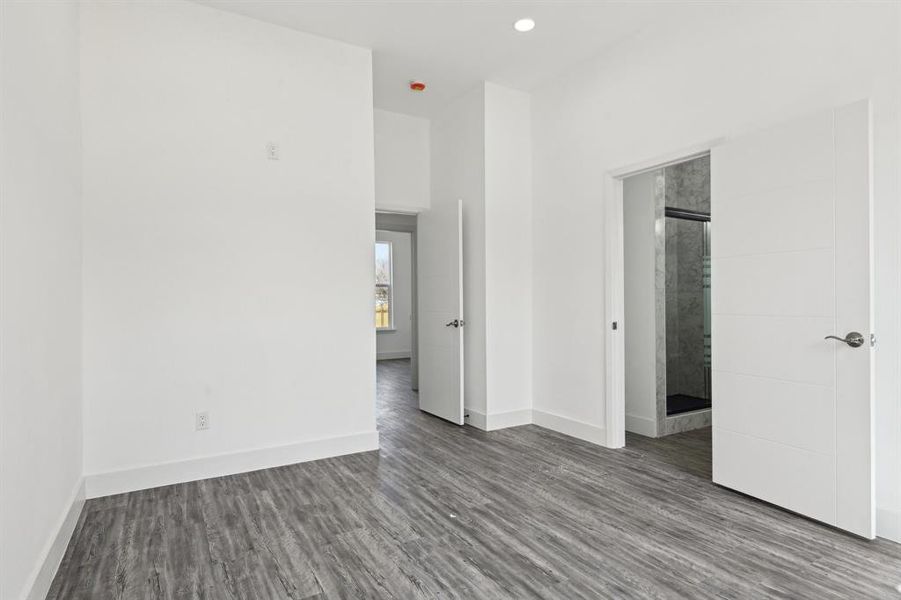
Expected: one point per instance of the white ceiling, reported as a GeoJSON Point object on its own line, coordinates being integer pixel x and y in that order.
{"type": "Point", "coordinates": [453, 45]}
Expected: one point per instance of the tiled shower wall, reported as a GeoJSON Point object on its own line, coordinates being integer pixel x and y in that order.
{"type": "Point", "coordinates": [688, 187]}
{"type": "Point", "coordinates": [679, 296]}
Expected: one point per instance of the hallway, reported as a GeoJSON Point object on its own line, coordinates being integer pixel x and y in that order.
{"type": "Point", "coordinates": [447, 511]}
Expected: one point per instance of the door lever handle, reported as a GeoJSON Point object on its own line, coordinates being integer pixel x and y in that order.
{"type": "Point", "coordinates": [454, 323]}
{"type": "Point", "coordinates": [853, 339]}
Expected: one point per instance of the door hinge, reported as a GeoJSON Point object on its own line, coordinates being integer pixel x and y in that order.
{"type": "Point", "coordinates": [615, 326]}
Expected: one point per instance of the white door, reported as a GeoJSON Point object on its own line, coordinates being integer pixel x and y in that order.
{"type": "Point", "coordinates": [440, 283]}
{"type": "Point", "coordinates": [790, 227]}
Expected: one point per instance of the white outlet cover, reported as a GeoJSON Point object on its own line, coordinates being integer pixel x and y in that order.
{"type": "Point", "coordinates": [272, 151]}
{"type": "Point", "coordinates": [201, 420]}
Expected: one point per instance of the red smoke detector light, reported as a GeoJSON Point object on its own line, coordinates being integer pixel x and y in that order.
{"type": "Point", "coordinates": [417, 86]}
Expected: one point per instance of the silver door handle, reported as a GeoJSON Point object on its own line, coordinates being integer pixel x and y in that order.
{"type": "Point", "coordinates": [853, 339]}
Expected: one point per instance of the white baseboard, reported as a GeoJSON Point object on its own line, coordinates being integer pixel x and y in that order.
{"type": "Point", "coordinates": [475, 418]}
{"type": "Point", "coordinates": [393, 355]}
{"type": "Point", "coordinates": [52, 555]}
{"type": "Point", "coordinates": [641, 425]}
{"type": "Point", "coordinates": [511, 418]}
{"type": "Point", "coordinates": [140, 478]}
{"type": "Point", "coordinates": [514, 418]}
{"type": "Point", "coordinates": [493, 422]}
{"type": "Point", "coordinates": [571, 427]}
{"type": "Point", "coordinates": [888, 524]}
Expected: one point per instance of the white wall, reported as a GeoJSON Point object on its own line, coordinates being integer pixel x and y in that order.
{"type": "Point", "coordinates": [683, 83]}
{"type": "Point", "coordinates": [481, 152]}
{"type": "Point", "coordinates": [401, 162]}
{"type": "Point", "coordinates": [216, 279]}
{"type": "Point", "coordinates": [458, 172]}
{"type": "Point", "coordinates": [398, 343]}
{"type": "Point", "coordinates": [40, 292]}
{"type": "Point", "coordinates": [640, 319]}
{"type": "Point", "coordinates": [508, 253]}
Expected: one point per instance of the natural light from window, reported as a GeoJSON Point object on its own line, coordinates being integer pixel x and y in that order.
{"type": "Point", "coordinates": [384, 293]}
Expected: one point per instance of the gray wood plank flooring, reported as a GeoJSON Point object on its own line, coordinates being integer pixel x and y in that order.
{"type": "Point", "coordinates": [448, 512]}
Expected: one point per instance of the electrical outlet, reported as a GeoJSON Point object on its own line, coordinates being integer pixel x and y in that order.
{"type": "Point", "coordinates": [201, 420]}
{"type": "Point", "coordinates": [273, 152]}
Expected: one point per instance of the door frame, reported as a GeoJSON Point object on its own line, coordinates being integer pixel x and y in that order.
{"type": "Point", "coordinates": [401, 222]}
{"type": "Point", "coordinates": [614, 282]}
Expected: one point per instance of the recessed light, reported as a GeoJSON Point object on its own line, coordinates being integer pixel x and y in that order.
{"type": "Point", "coordinates": [524, 25]}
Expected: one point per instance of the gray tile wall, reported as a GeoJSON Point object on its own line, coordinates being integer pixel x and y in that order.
{"type": "Point", "coordinates": [687, 186]}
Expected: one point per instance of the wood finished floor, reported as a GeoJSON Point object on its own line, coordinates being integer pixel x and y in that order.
{"type": "Point", "coordinates": [449, 512]}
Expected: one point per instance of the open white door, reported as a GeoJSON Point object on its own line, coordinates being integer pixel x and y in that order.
{"type": "Point", "coordinates": [790, 226]}
{"type": "Point", "coordinates": [440, 281]}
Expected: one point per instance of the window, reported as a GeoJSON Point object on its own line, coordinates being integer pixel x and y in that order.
{"type": "Point", "coordinates": [384, 292]}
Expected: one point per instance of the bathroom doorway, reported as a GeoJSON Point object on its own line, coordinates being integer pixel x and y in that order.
{"type": "Point", "coordinates": [791, 306]}
{"type": "Point", "coordinates": [667, 229]}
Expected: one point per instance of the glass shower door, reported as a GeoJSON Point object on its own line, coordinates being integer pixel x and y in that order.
{"type": "Point", "coordinates": [687, 306]}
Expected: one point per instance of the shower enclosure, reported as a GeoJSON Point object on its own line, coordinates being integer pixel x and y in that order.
{"type": "Point", "coordinates": [687, 306]}
{"type": "Point", "coordinates": [667, 229]}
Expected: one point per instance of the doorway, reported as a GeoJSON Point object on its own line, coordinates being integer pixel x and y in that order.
{"type": "Point", "coordinates": [791, 275]}
{"type": "Point", "coordinates": [395, 302]}
{"type": "Point", "coordinates": [436, 301]}
{"type": "Point", "coordinates": [666, 246]}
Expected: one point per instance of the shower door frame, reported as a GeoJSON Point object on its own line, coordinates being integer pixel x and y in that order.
{"type": "Point", "coordinates": [670, 212]}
